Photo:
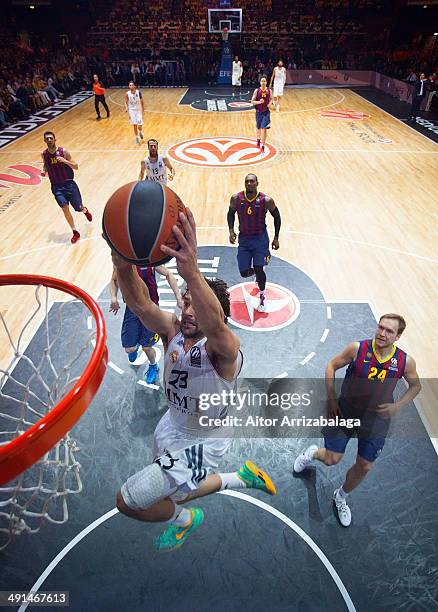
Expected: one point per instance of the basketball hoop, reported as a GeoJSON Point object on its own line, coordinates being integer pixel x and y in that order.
{"type": "Point", "coordinates": [225, 34]}
{"type": "Point", "coordinates": [41, 400]}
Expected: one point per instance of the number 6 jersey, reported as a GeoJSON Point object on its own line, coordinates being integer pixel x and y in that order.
{"type": "Point", "coordinates": [187, 376]}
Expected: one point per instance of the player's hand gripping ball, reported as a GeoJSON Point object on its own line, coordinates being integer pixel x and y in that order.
{"type": "Point", "coordinates": [138, 219]}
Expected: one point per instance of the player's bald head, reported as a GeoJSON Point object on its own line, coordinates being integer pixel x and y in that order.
{"type": "Point", "coordinates": [252, 177]}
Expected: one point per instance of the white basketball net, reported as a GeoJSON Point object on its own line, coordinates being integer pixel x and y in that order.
{"type": "Point", "coordinates": [28, 391]}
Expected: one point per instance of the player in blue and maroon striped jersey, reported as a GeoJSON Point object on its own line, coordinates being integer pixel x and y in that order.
{"type": "Point", "coordinates": [374, 368]}
{"type": "Point", "coordinates": [253, 252]}
{"type": "Point", "coordinates": [134, 334]}
{"type": "Point", "coordinates": [59, 165]}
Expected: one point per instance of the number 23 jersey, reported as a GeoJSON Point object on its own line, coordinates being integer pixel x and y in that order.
{"type": "Point", "coordinates": [189, 375]}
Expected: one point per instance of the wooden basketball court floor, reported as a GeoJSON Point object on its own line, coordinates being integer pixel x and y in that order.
{"type": "Point", "coordinates": [358, 206]}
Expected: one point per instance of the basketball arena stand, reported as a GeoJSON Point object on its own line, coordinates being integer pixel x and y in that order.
{"type": "Point", "coordinates": [42, 395]}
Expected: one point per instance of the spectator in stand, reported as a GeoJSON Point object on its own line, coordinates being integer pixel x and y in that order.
{"type": "Point", "coordinates": [5, 119]}
{"type": "Point", "coordinates": [135, 72]}
{"type": "Point", "coordinates": [51, 87]}
{"type": "Point", "coordinates": [150, 74]}
{"type": "Point", "coordinates": [417, 96]}
{"type": "Point", "coordinates": [38, 83]}
{"type": "Point", "coordinates": [433, 88]}
{"type": "Point", "coordinates": [36, 100]}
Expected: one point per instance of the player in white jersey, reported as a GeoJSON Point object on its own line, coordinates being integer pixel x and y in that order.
{"type": "Point", "coordinates": [236, 74]}
{"type": "Point", "coordinates": [134, 106]}
{"type": "Point", "coordinates": [202, 357]}
{"type": "Point", "coordinates": [279, 79]}
{"type": "Point", "coordinates": [155, 166]}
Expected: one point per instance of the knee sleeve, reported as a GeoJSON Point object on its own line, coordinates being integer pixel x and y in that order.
{"type": "Point", "coordinates": [146, 487]}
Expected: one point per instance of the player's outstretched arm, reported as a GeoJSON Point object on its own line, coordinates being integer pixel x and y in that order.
{"type": "Point", "coordinates": [137, 298]}
{"type": "Point", "coordinates": [142, 170]}
{"type": "Point", "coordinates": [339, 361]}
{"type": "Point", "coordinates": [223, 345]}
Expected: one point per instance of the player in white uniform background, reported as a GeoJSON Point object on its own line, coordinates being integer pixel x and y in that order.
{"type": "Point", "coordinates": [155, 165]}
{"type": "Point", "coordinates": [236, 74]}
{"type": "Point", "coordinates": [202, 356]}
{"type": "Point", "coordinates": [134, 106]}
{"type": "Point", "coordinates": [279, 79]}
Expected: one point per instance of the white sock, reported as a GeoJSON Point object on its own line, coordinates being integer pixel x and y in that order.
{"type": "Point", "coordinates": [181, 517]}
{"type": "Point", "coordinates": [341, 494]}
{"type": "Point", "coordinates": [231, 481]}
{"type": "Point", "coordinates": [311, 455]}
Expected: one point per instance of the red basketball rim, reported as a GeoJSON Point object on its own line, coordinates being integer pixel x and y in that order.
{"type": "Point", "coordinates": [23, 451]}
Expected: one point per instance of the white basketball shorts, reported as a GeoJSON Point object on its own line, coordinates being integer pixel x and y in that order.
{"type": "Point", "coordinates": [278, 88]}
{"type": "Point", "coordinates": [186, 459]}
{"type": "Point", "coordinates": [135, 117]}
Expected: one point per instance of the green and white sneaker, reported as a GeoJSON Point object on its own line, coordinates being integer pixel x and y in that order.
{"type": "Point", "coordinates": [254, 478]}
{"type": "Point", "coordinates": [175, 536]}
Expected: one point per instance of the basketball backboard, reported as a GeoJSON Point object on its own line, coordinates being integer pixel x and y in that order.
{"type": "Point", "coordinates": [221, 18]}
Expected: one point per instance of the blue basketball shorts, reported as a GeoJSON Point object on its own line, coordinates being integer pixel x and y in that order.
{"type": "Point", "coordinates": [134, 332]}
{"type": "Point", "coordinates": [253, 251]}
{"type": "Point", "coordinates": [371, 435]}
{"type": "Point", "coordinates": [68, 193]}
{"type": "Point", "coordinates": [263, 120]}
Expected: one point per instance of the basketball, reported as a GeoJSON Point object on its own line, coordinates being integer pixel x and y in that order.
{"type": "Point", "coordinates": [138, 219]}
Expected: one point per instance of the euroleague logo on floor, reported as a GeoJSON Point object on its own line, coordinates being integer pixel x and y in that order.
{"type": "Point", "coordinates": [282, 307]}
{"type": "Point", "coordinates": [221, 152]}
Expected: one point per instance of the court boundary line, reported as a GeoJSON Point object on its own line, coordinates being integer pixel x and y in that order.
{"type": "Point", "coordinates": [256, 502]}
{"type": "Point", "coordinates": [182, 95]}
{"type": "Point", "coordinates": [46, 123]}
{"type": "Point", "coordinates": [396, 118]}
